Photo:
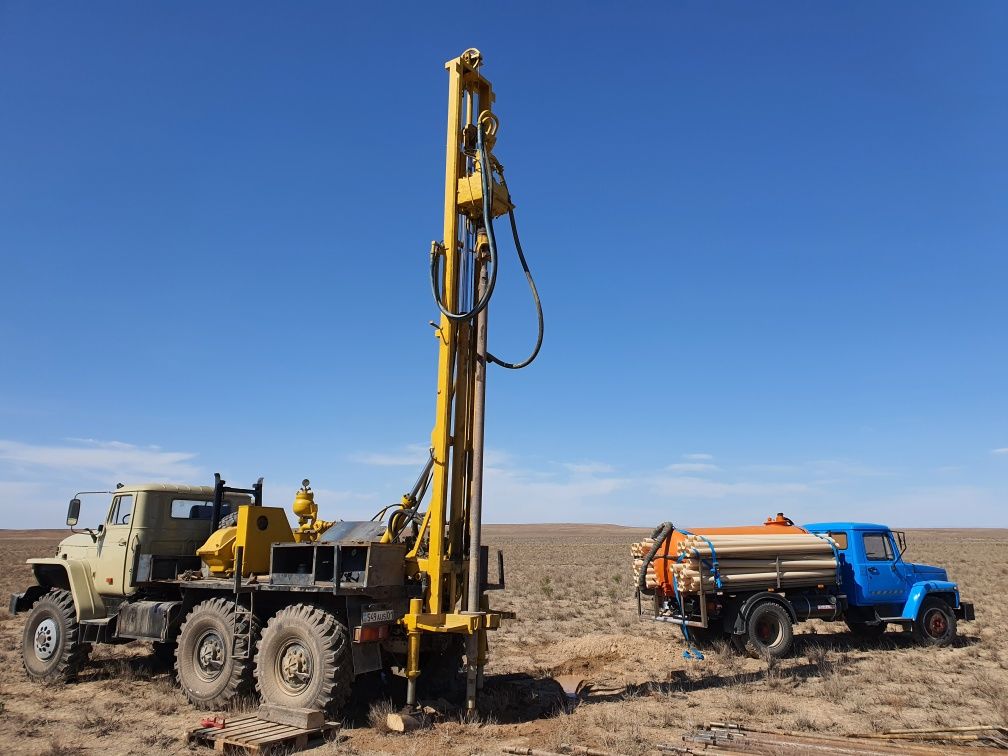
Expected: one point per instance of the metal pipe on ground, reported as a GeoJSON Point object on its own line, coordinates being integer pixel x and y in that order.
{"type": "Point", "coordinates": [738, 739]}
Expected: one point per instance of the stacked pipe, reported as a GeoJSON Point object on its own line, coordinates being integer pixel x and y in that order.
{"type": "Point", "coordinates": [639, 552]}
{"type": "Point", "coordinates": [750, 562]}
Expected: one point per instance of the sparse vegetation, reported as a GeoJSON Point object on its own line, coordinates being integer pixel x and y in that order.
{"type": "Point", "coordinates": [571, 588]}
{"type": "Point", "coordinates": [378, 716]}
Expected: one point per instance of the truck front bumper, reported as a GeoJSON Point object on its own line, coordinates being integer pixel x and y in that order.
{"type": "Point", "coordinates": [965, 611]}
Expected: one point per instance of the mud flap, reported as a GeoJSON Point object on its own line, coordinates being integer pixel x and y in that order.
{"type": "Point", "coordinates": [366, 656]}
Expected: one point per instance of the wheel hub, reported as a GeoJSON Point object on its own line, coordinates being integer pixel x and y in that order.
{"type": "Point", "coordinates": [768, 632]}
{"type": "Point", "coordinates": [936, 623]}
{"type": "Point", "coordinates": [209, 655]}
{"type": "Point", "coordinates": [46, 639]}
{"type": "Point", "coordinates": [294, 667]}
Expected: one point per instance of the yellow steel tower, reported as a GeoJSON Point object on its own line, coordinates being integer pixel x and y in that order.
{"type": "Point", "coordinates": [463, 268]}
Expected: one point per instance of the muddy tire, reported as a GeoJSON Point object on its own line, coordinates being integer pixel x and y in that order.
{"type": "Point", "coordinates": [51, 648]}
{"type": "Point", "coordinates": [936, 623]}
{"type": "Point", "coordinates": [769, 632]}
{"type": "Point", "coordinates": [209, 674]}
{"type": "Point", "coordinates": [303, 660]}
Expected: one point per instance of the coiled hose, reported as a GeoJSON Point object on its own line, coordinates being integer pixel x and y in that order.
{"type": "Point", "coordinates": [659, 535]}
{"type": "Point", "coordinates": [486, 180]}
{"type": "Point", "coordinates": [535, 297]}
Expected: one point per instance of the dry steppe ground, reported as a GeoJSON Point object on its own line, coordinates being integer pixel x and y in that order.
{"type": "Point", "coordinates": [571, 588]}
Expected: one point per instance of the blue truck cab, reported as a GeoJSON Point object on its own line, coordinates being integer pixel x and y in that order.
{"type": "Point", "coordinates": [881, 588]}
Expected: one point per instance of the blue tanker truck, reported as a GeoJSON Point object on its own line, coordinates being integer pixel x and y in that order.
{"type": "Point", "coordinates": [874, 588]}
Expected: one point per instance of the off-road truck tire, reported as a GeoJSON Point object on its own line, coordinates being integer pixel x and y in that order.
{"type": "Point", "coordinates": [209, 674]}
{"type": "Point", "coordinates": [304, 661]}
{"type": "Point", "coordinates": [51, 649]}
{"type": "Point", "coordinates": [769, 632]}
{"type": "Point", "coordinates": [935, 624]}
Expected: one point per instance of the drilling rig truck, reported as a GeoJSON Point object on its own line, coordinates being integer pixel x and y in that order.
{"type": "Point", "coordinates": [233, 596]}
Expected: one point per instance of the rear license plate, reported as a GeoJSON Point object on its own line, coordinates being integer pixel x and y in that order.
{"type": "Point", "coordinates": [377, 615]}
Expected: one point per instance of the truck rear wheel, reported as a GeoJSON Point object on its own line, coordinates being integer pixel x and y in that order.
{"type": "Point", "coordinates": [769, 631]}
{"type": "Point", "coordinates": [209, 673]}
{"type": "Point", "coordinates": [304, 660]}
{"type": "Point", "coordinates": [51, 649]}
{"type": "Point", "coordinates": [936, 623]}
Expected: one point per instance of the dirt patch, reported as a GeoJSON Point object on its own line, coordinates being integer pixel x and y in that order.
{"type": "Point", "coordinates": [582, 621]}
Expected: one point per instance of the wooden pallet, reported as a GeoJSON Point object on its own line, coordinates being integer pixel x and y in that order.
{"type": "Point", "coordinates": [250, 734]}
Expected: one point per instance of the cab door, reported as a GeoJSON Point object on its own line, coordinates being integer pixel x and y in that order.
{"type": "Point", "coordinates": [113, 566]}
{"type": "Point", "coordinates": [884, 582]}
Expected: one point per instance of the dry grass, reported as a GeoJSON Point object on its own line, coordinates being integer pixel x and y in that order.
{"type": "Point", "coordinates": [571, 588]}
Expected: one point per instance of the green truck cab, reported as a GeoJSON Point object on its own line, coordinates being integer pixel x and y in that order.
{"type": "Point", "coordinates": [150, 531]}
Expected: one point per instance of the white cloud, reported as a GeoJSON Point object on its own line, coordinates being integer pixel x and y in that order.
{"type": "Point", "coordinates": [771, 469]}
{"type": "Point", "coordinates": [14, 490]}
{"type": "Point", "coordinates": [846, 468]}
{"type": "Point", "coordinates": [588, 468]}
{"type": "Point", "coordinates": [953, 506]}
{"type": "Point", "coordinates": [414, 455]}
{"type": "Point", "coordinates": [1002, 450]}
{"type": "Point", "coordinates": [519, 492]}
{"type": "Point", "coordinates": [113, 459]}
{"type": "Point", "coordinates": [686, 486]}
{"type": "Point", "coordinates": [36, 480]}
{"type": "Point", "coordinates": [693, 467]}
{"type": "Point", "coordinates": [328, 496]}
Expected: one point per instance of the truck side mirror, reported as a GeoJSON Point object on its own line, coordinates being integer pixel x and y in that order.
{"type": "Point", "coordinates": [73, 512]}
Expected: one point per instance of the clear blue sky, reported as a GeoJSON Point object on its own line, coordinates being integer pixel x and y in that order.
{"type": "Point", "coordinates": [770, 240]}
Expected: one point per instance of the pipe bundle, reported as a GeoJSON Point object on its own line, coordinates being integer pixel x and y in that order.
{"type": "Point", "coordinates": [752, 562]}
{"type": "Point", "coordinates": [639, 552]}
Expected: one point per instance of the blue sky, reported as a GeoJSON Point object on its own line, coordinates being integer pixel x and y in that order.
{"type": "Point", "coordinates": [770, 241]}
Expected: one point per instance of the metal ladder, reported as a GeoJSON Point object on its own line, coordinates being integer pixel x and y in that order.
{"type": "Point", "coordinates": [242, 616]}
{"type": "Point", "coordinates": [241, 640]}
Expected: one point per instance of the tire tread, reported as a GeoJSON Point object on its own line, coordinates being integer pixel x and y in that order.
{"type": "Point", "coordinates": [74, 653]}
{"type": "Point", "coordinates": [337, 665]}
{"type": "Point", "coordinates": [240, 679]}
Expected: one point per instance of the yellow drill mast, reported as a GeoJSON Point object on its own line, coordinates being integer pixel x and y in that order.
{"type": "Point", "coordinates": [446, 554]}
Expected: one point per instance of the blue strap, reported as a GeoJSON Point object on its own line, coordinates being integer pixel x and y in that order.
{"type": "Point", "coordinates": [713, 564]}
{"type": "Point", "coordinates": [691, 652]}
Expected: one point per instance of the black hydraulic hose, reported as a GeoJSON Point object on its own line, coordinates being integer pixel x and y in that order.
{"type": "Point", "coordinates": [535, 298]}
{"type": "Point", "coordinates": [486, 179]}
{"type": "Point", "coordinates": [659, 535]}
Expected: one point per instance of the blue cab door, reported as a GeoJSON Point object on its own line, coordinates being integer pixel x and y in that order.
{"type": "Point", "coordinates": [883, 581]}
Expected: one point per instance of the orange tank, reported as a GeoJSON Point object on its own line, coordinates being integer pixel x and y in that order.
{"type": "Point", "coordinates": [668, 552]}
